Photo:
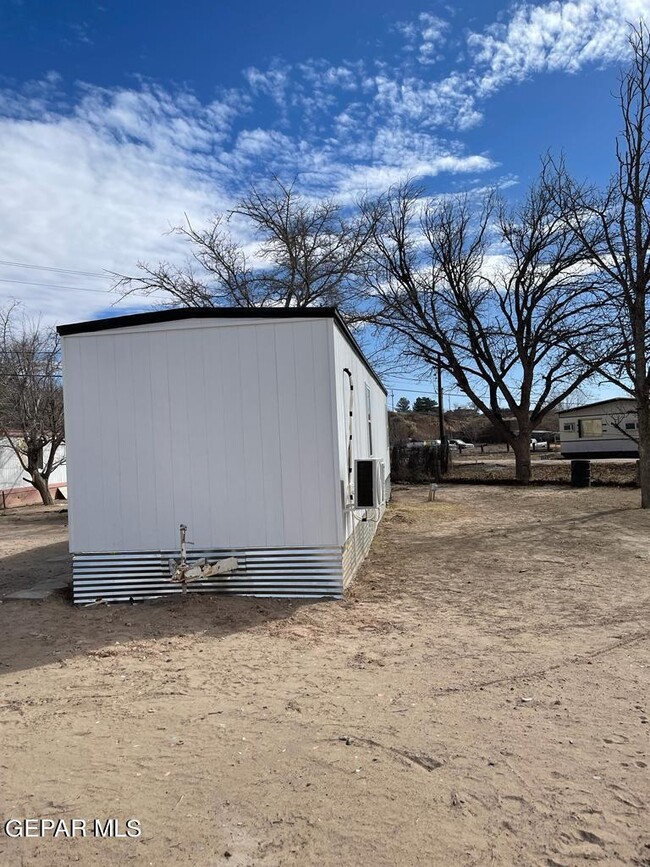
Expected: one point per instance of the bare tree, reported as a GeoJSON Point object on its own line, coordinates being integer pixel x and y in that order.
{"type": "Point", "coordinates": [31, 396]}
{"type": "Point", "coordinates": [614, 227]}
{"type": "Point", "coordinates": [501, 294]}
{"type": "Point", "coordinates": [307, 253]}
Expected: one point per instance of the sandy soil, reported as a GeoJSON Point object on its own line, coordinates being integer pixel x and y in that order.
{"type": "Point", "coordinates": [33, 546]}
{"type": "Point", "coordinates": [482, 697]}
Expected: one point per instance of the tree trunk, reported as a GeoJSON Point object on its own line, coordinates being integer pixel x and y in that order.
{"type": "Point", "coordinates": [643, 409]}
{"type": "Point", "coordinates": [521, 448]}
{"type": "Point", "coordinates": [42, 487]}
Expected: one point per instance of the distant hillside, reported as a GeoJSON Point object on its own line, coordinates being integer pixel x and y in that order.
{"type": "Point", "coordinates": [465, 424]}
{"type": "Point", "coordinates": [422, 426]}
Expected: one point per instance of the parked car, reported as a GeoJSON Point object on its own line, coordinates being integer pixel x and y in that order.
{"type": "Point", "coordinates": [461, 445]}
{"type": "Point", "coordinates": [419, 443]}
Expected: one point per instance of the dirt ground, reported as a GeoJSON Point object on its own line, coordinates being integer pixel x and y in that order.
{"type": "Point", "coordinates": [474, 467]}
{"type": "Point", "coordinates": [481, 697]}
{"type": "Point", "coordinates": [33, 546]}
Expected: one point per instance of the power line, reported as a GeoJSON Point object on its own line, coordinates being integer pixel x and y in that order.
{"type": "Point", "coordinates": [424, 392]}
{"type": "Point", "coordinates": [104, 276]}
{"type": "Point", "coordinates": [107, 292]}
{"type": "Point", "coordinates": [57, 286]}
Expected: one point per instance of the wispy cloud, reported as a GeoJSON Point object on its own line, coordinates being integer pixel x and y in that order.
{"type": "Point", "coordinates": [557, 36]}
{"type": "Point", "coordinates": [424, 37]}
{"type": "Point", "coordinates": [98, 187]}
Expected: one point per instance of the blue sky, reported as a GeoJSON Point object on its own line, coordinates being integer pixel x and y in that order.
{"type": "Point", "coordinates": [117, 118]}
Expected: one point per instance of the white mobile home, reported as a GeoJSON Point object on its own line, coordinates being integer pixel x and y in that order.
{"type": "Point", "coordinates": [264, 432]}
{"type": "Point", "coordinates": [605, 429]}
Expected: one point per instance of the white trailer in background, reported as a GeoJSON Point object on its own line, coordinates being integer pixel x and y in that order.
{"type": "Point", "coordinates": [604, 429]}
{"type": "Point", "coordinates": [15, 486]}
{"type": "Point", "coordinates": [264, 432]}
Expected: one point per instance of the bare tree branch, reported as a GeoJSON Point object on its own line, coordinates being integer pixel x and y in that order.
{"type": "Point", "coordinates": [614, 228]}
{"type": "Point", "coordinates": [502, 294]}
{"type": "Point", "coordinates": [31, 396]}
{"type": "Point", "coordinates": [307, 254]}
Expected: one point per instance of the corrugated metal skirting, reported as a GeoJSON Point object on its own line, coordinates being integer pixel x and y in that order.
{"type": "Point", "coordinates": [357, 547]}
{"type": "Point", "coordinates": [277, 572]}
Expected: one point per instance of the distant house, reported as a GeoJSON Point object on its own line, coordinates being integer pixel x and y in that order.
{"type": "Point", "coordinates": [605, 429]}
{"type": "Point", "coordinates": [15, 487]}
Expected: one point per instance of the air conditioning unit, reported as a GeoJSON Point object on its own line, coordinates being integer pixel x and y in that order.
{"type": "Point", "coordinates": [369, 486]}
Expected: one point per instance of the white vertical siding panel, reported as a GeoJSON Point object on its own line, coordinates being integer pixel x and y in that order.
{"type": "Point", "coordinates": [11, 470]}
{"type": "Point", "coordinates": [185, 485]}
{"type": "Point", "coordinates": [338, 430]}
{"type": "Point", "coordinates": [126, 436]}
{"type": "Point", "coordinates": [100, 431]}
{"type": "Point", "coordinates": [214, 420]}
{"type": "Point", "coordinates": [270, 435]}
{"type": "Point", "coordinates": [227, 429]}
{"type": "Point", "coordinates": [251, 430]}
{"type": "Point", "coordinates": [199, 511]}
{"type": "Point", "coordinates": [307, 457]}
{"type": "Point", "coordinates": [313, 403]}
{"type": "Point", "coordinates": [201, 433]}
{"type": "Point", "coordinates": [59, 475]}
{"type": "Point", "coordinates": [158, 518]}
{"type": "Point", "coordinates": [292, 481]}
{"type": "Point", "coordinates": [239, 511]}
{"type": "Point", "coordinates": [143, 436]}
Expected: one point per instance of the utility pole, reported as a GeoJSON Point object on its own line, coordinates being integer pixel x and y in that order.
{"type": "Point", "coordinates": [392, 399]}
{"type": "Point", "coordinates": [444, 448]}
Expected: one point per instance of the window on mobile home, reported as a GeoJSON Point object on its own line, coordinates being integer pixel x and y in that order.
{"type": "Point", "coordinates": [591, 427]}
{"type": "Point", "coordinates": [369, 416]}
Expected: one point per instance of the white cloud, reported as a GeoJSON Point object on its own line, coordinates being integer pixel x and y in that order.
{"type": "Point", "coordinates": [98, 189]}
{"type": "Point", "coordinates": [425, 37]}
{"type": "Point", "coordinates": [434, 35]}
{"type": "Point", "coordinates": [98, 184]}
{"type": "Point", "coordinates": [273, 82]}
{"type": "Point", "coordinates": [557, 36]}
{"type": "Point", "coordinates": [95, 182]}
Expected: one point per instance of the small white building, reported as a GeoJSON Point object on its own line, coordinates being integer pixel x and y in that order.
{"type": "Point", "coordinates": [263, 431]}
{"type": "Point", "coordinates": [15, 486]}
{"type": "Point", "coordinates": [605, 429]}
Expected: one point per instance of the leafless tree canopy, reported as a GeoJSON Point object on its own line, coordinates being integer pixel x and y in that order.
{"type": "Point", "coordinates": [614, 228]}
{"type": "Point", "coordinates": [31, 395]}
{"type": "Point", "coordinates": [302, 253]}
{"type": "Point", "coordinates": [497, 295]}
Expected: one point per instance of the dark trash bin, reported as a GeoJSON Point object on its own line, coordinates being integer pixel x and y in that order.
{"type": "Point", "coordinates": [580, 474]}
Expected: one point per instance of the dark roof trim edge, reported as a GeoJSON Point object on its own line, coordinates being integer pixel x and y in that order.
{"type": "Point", "coordinates": [596, 403]}
{"type": "Point", "coordinates": [174, 315]}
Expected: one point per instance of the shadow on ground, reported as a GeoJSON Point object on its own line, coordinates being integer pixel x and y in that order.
{"type": "Point", "coordinates": [22, 570]}
{"type": "Point", "coordinates": [49, 632]}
